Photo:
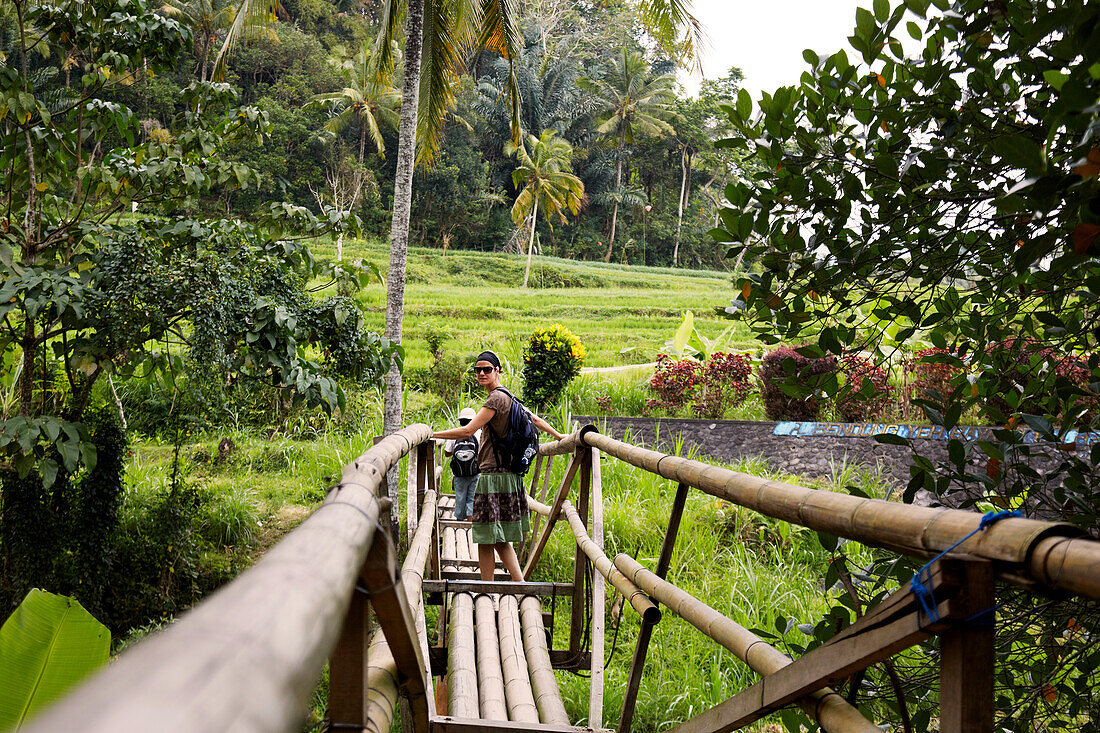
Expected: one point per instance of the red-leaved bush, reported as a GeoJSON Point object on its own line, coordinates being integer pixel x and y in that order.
{"type": "Point", "coordinates": [854, 405]}
{"type": "Point", "coordinates": [723, 383]}
{"type": "Point", "coordinates": [778, 405]}
{"type": "Point", "coordinates": [673, 381]}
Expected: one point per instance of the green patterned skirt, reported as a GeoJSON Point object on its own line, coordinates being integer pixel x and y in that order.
{"type": "Point", "coordinates": [500, 509]}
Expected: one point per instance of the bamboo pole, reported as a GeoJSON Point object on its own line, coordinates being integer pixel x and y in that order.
{"type": "Point", "coordinates": [462, 544]}
{"type": "Point", "coordinates": [543, 682]}
{"type": "Point", "coordinates": [530, 546]}
{"type": "Point", "coordinates": [552, 516]}
{"type": "Point", "coordinates": [381, 672]}
{"type": "Point", "coordinates": [829, 708]}
{"type": "Point", "coordinates": [450, 548]}
{"type": "Point", "coordinates": [253, 650]}
{"type": "Point", "coordinates": [568, 444]}
{"type": "Point", "coordinates": [631, 592]}
{"type": "Point", "coordinates": [596, 682]}
{"type": "Point", "coordinates": [577, 622]}
{"type": "Point", "coordinates": [1034, 551]}
{"type": "Point", "coordinates": [517, 683]}
{"type": "Point", "coordinates": [461, 672]}
{"type": "Point", "coordinates": [490, 678]}
{"type": "Point", "coordinates": [411, 504]}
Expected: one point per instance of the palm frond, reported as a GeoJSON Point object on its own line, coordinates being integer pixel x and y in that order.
{"type": "Point", "coordinates": [673, 25]}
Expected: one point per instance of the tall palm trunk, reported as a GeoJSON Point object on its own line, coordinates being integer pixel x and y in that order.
{"type": "Point", "coordinates": [399, 226]}
{"type": "Point", "coordinates": [531, 241]}
{"type": "Point", "coordinates": [363, 136]}
{"type": "Point", "coordinates": [684, 157]}
{"type": "Point", "coordinates": [618, 185]}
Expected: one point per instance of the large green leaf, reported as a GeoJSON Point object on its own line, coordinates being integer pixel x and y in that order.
{"type": "Point", "coordinates": [683, 333]}
{"type": "Point", "coordinates": [46, 646]}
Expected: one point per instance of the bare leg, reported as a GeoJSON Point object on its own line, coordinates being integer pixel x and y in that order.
{"type": "Point", "coordinates": [508, 557]}
{"type": "Point", "coordinates": [486, 562]}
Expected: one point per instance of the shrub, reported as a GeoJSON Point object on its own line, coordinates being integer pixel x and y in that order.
{"type": "Point", "coordinates": [673, 381]}
{"type": "Point", "coordinates": [869, 391]}
{"type": "Point", "coordinates": [724, 380]}
{"type": "Point", "coordinates": [448, 375]}
{"type": "Point", "coordinates": [784, 363]}
{"type": "Point", "coordinates": [552, 357]}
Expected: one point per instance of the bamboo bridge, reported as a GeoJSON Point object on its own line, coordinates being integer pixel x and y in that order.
{"type": "Point", "coordinates": [249, 657]}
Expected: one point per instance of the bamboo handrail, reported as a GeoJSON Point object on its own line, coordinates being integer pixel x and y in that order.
{"type": "Point", "coordinates": [1051, 554]}
{"type": "Point", "coordinates": [381, 666]}
{"type": "Point", "coordinates": [631, 592]}
{"type": "Point", "coordinates": [834, 713]}
{"type": "Point", "coordinates": [249, 656]}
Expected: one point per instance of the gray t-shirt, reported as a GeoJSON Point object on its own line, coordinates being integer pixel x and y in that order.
{"type": "Point", "coordinates": [500, 402]}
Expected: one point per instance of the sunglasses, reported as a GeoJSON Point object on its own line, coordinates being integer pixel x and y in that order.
{"type": "Point", "coordinates": [483, 370]}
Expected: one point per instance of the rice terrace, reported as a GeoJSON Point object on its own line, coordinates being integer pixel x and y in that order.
{"type": "Point", "coordinates": [532, 365]}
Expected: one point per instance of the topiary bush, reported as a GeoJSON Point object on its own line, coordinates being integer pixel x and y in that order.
{"type": "Point", "coordinates": [868, 394]}
{"type": "Point", "coordinates": [552, 357]}
{"type": "Point", "coordinates": [784, 363]}
{"type": "Point", "coordinates": [724, 383]}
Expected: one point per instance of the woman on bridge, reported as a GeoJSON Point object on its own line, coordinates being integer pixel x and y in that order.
{"type": "Point", "coordinates": [500, 515]}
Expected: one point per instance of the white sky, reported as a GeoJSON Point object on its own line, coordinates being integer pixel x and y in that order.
{"type": "Point", "coordinates": [765, 38]}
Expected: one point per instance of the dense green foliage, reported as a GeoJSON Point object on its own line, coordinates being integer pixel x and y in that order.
{"type": "Point", "coordinates": [951, 200]}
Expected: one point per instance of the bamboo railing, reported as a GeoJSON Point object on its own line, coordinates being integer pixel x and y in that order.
{"type": "Point", "coordinates": [1040, 555]}
{"type": "Point", "coordinates": [249, 656]}
{"type": "Point", "coordinates": [1026, 551]}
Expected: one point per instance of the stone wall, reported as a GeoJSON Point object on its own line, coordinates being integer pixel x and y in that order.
{"type": "Point", "coordinates": [729, 440]}
{"type": "Point", "coordinates": [814, 456]}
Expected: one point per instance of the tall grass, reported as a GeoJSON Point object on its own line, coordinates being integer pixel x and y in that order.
{"type": "Point", "coordinates": [751, 568]}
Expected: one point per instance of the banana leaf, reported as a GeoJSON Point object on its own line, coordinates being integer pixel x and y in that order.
{"type": "Point", "coordinates": [46, 646]}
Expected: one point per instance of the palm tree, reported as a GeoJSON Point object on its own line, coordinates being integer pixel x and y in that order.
{"type": "Point", "coordinates": [208, 18]}
{"type": "Point", "coordinates": [548, 182]}
{"type": "Point", "coordinates": [632, 102]}
{"type": "Point", "coordinates": [365, 102]}
{"type": "Point", "coordinates": [436, 33]}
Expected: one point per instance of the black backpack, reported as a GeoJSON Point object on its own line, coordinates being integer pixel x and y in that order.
{"type": "Point", "coordinates": [515, 450]}
{"type": "Point", "coordinates": [464, 458]}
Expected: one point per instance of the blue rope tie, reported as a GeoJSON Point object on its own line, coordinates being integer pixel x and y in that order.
{"type": "Point", "coordinates": [922, 588]}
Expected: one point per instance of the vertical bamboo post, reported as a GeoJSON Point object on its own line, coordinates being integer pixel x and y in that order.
{"type": "Point", "coordinates": [411, 489]}
{"type": "Point", "coordinates": [966, 658]}
{"type": "Point", "coordinates": [545, 489]}
{"type": "Point", "coordinates": [425, 471]}
{"type": "Point", "coordinates": [637, 665]}
{"type": "Point", "coordinates": [347, 693]}
{"type": "Point", "coordinates": [392, 519]}
{"type": "Point", "coordinates": [596, 681]}
{"type": "Point", "coordinates": [580, 560]}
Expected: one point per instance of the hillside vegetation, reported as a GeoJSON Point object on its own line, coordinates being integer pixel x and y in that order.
{"type": "Point", "coordinates": [623, 314]}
